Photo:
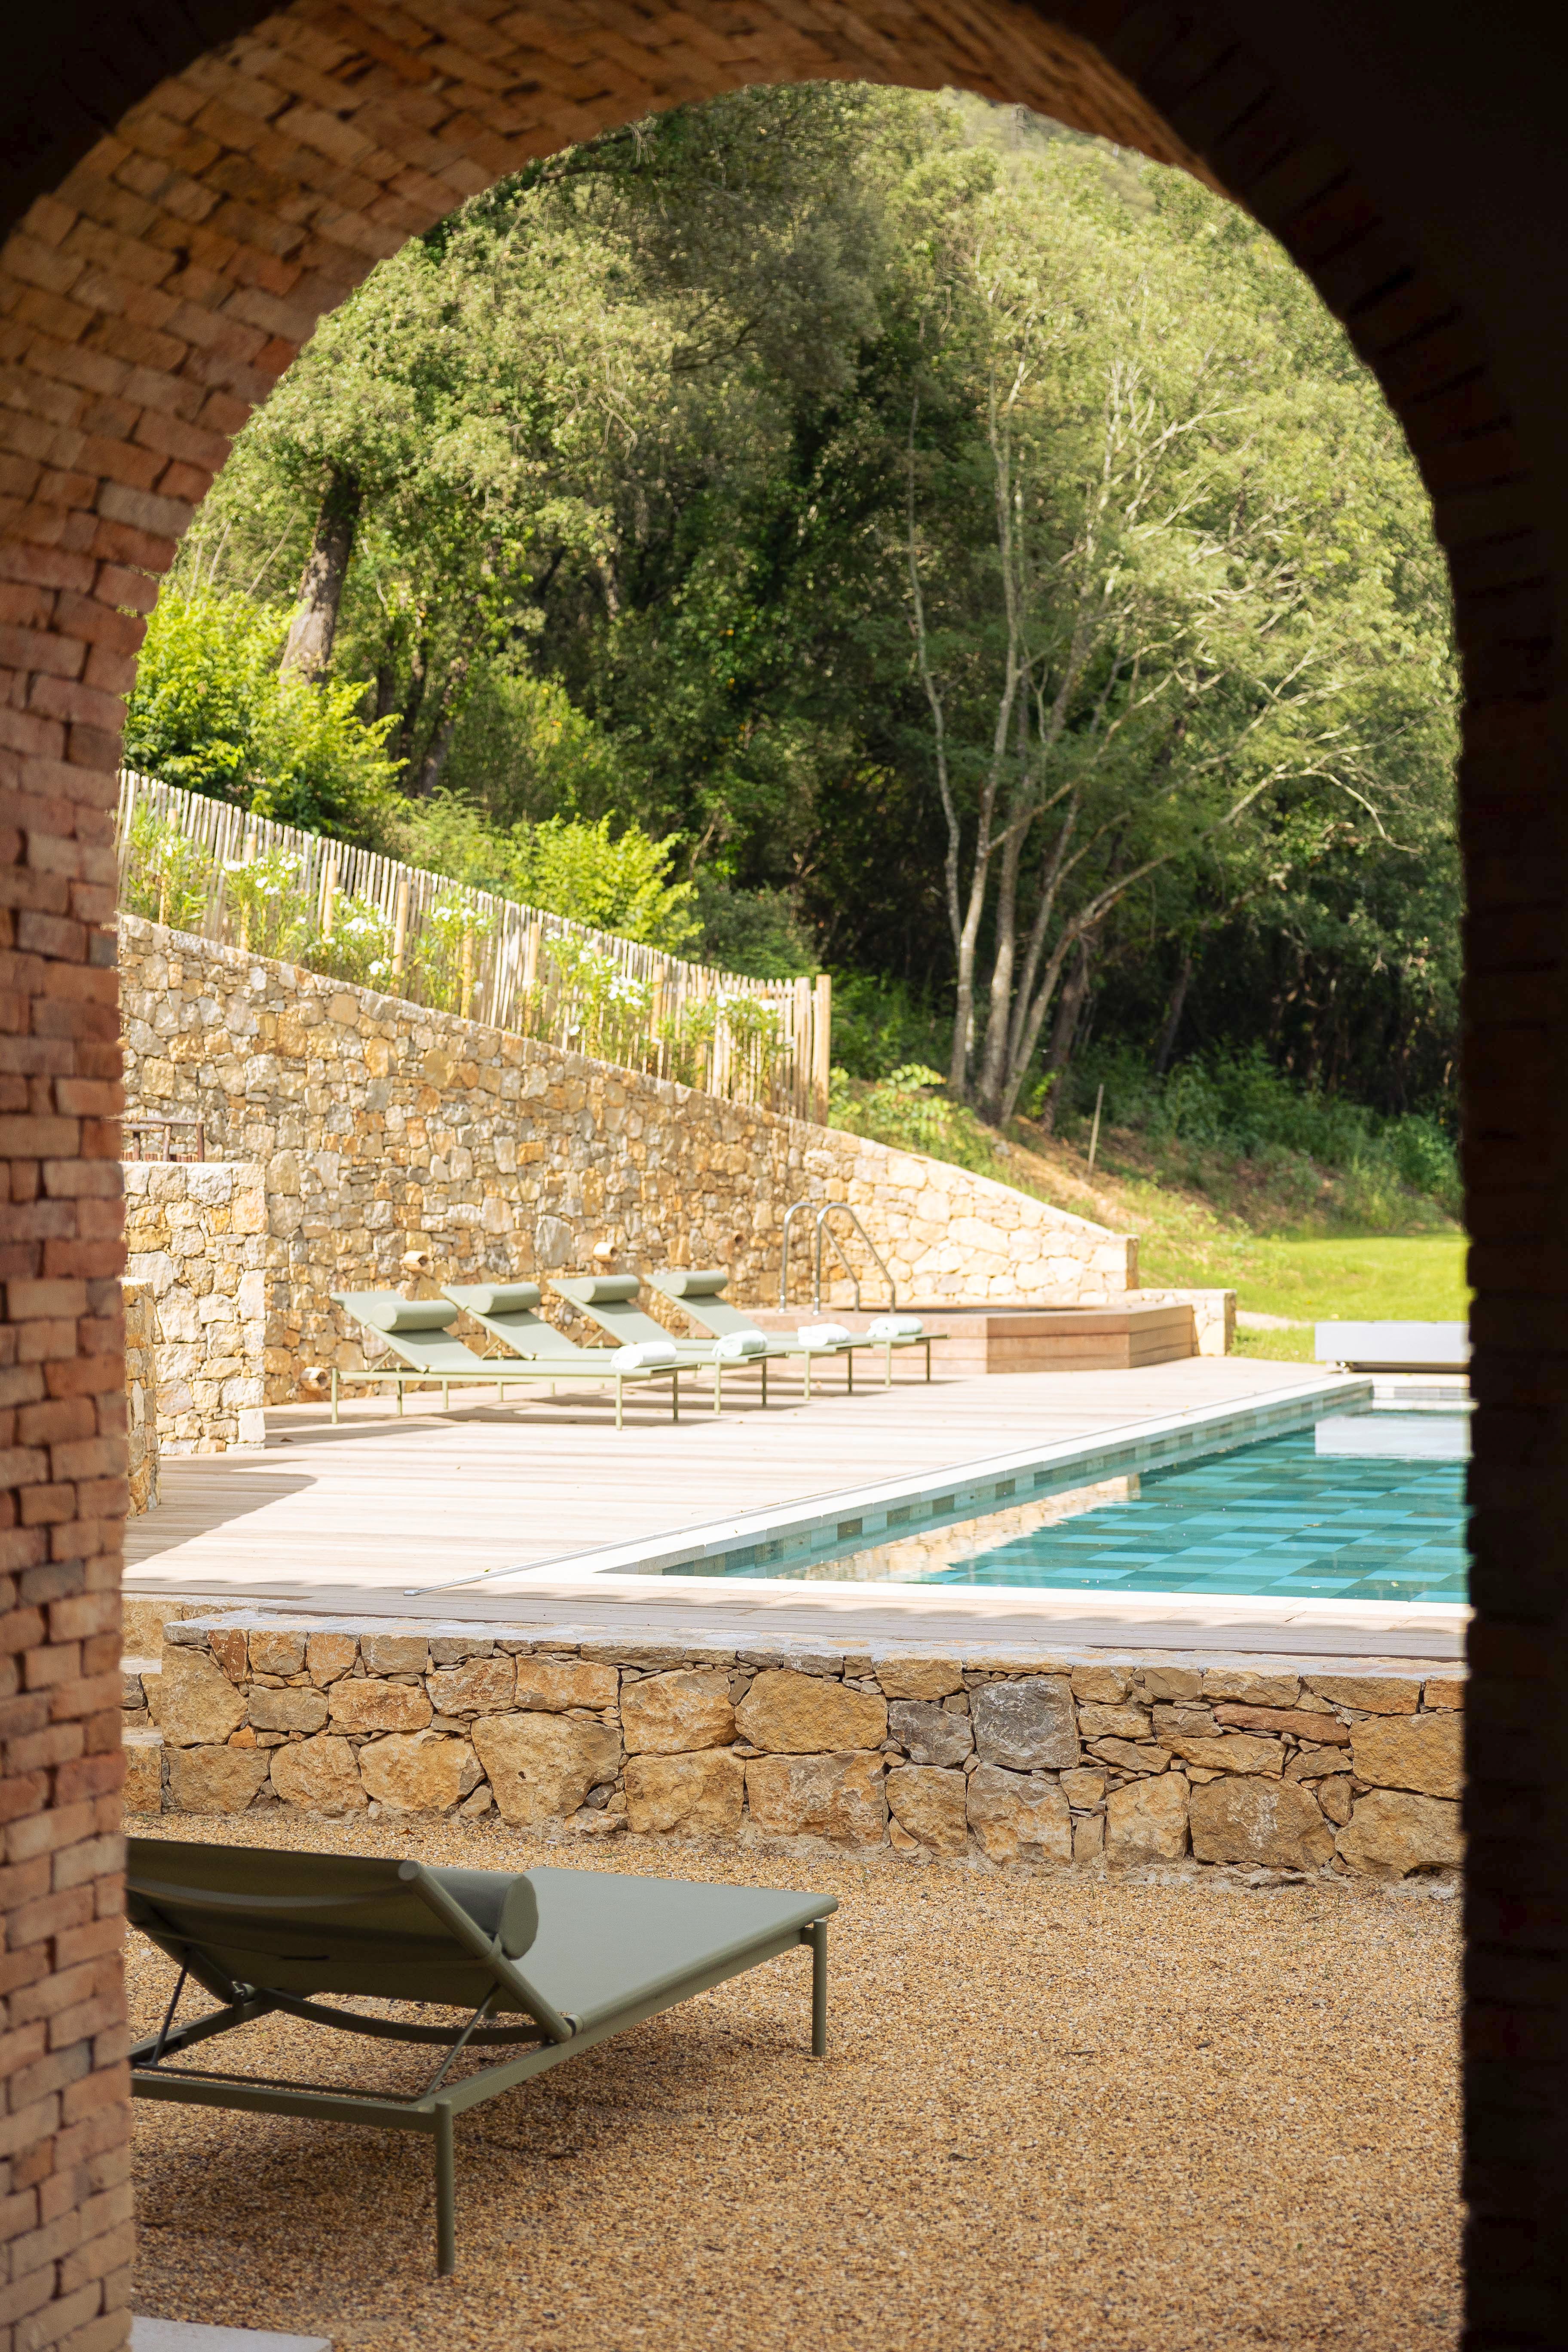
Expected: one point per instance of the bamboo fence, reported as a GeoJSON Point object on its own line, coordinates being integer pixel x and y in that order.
{"type": "Point", "coordinates": [492, 959]}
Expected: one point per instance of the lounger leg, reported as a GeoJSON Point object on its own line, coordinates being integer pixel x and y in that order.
{"type": "Point", "coordinates": [675, 1396]}
{"type": "Point", "coordinates": [927, 1363]}
{"type": "Point", "coordinates": [765, 1383]}
{"type": "Point", "coordinates": [445, 1394]}
{"type": "Point", "coordinates": [850, 1362]}
{"type": "Point", "coordinates": [618, 1387]}
{"type": "Point", "coordinates": [447, 2189]}
{"type": "Point", "coordinates": [400, 1396]}
{"type": "Point", "coordinates": [335, 1396]}
{"type": "Point", "coordinates": [717, 1388]}
{"type": "Point", "coordinates": [819, 1988]}
{"type": "Point", "coordinates": [887, 1382]}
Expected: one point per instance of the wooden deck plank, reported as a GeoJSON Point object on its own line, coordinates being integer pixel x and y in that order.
{"type": "Point", "coordinates": [355, 1516]}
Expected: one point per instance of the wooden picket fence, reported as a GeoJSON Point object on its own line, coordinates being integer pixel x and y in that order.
{"type": "Point", "coordinates": [184, 859]}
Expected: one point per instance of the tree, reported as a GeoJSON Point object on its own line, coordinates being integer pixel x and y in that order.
{"type": "Point", "coordinates": [1155, 637]}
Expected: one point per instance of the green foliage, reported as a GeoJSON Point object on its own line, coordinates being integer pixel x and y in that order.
{"type": "Point", "coordinates": [881, 1024]}
{"type": "Point", "coordinates": [759, 932]}
{"type": "Point", "coordinates": [651, 443]}
{"type": "Point", "coordinates": [210, 713]}
{"type": "Point", "coordinates": [360, 948]}
{"type": "Point", "coordinates": [166, 873]}
{"type": "Point", "coordinates": [616, 882]}
{"type": "Point", "coordinates": [598, 1008]}
{"type": "Point", "coordinates": [268, 911]}
{"type": "Point", "coordinates": [1237, 1107]}
{"type": "Point", "coordinates": [911, 1110]}
{"type": "Point", "coordinates": [613, 882]}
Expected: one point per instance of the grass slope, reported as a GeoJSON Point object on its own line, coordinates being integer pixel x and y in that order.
{"type": "Point", "coordinates": [1290, 1237]}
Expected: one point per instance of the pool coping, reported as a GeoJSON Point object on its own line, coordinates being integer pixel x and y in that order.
{"type": "Point", "coordinates": [667, 1563]}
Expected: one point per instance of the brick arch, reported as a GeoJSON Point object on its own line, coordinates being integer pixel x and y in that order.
{"type": "Point", "coordinates": [197, 193]}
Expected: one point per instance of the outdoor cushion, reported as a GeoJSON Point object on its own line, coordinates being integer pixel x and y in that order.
{"type": "Point", "coordinates": [393, 1314]}
{"type": "Point", "coordinates": [599, 1289]}
{"type": "Point", "coordinates": [500, 1297]}
{"type": "Point", "coordinates": [685, 1282]}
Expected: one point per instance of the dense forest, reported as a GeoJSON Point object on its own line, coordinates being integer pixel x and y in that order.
{"type": "Point", "coordinates": [850, 528]}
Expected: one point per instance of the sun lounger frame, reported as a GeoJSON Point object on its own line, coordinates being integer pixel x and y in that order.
{"type": "Point", "coordinates": [692, 1305]}
{"type": "Point", "coordinates": [478, 1372]}
{"type": "Point", "coordinates": [553, 2037]}
{"type": "Point", "coordinates": [578, 1290]}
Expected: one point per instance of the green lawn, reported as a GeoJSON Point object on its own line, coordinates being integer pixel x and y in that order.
{"type": "Point", "coordinates": [1399, 1278]}
{"type": "Point", "coordinates": [1240, 1226]}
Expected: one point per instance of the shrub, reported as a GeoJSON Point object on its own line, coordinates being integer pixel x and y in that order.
{"type": "Point", "coordinates": [1240, 1106]}
{"type": "Point", "coordinates": [616, 882]}
{"type": "Point", "coordinates": [882, 1026]}
{"type": "Point", "coordinates": [911, 1110]}
{"type": "Point", "coordinates": [165, 874]}
{"type": "Point", "coordinates": [210, 713]}
{"type": "Point", "coordinates": [360, 948]}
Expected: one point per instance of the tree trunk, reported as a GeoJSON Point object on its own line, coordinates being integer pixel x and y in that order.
{"type": "Point", "coordinates": [308, 651]}
{"type": "Point", "coordinates": [441, 734]}
{"type": "Point", "coordinates": [419, 676]}
{"type": "Point", "coordinates": [1174, 1016]}
{"type": "Point", "coordinates": [1070, 1005]}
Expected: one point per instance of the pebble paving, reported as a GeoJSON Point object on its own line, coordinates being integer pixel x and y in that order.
{"type": "Point", "coordinates": [1058, 2111]}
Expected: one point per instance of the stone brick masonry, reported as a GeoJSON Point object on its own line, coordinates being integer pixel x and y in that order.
{"type": "Point", "coordinates": [971, 1754]}
{"type": "Point", "coordinates": [141, 1399]}
{"type": "Point", "coordinates": [359, 1127]}
{"type": "Point", "coordinates": [197, 1244]}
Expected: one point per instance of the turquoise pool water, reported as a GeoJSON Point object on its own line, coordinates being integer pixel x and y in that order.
{"type": "Point", "coordinates": [1365, 1505]}
{"type": "Point", "coordinates": [1359, 1509]}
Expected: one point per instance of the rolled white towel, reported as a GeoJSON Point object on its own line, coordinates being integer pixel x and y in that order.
{"type": "Point", "coordinates": [645, 1356]}
{"type": "Point", "coordinates": [897, 1327]}
{"type": "Point", "coordinates": [823, 1335]}
{"type": "Point", "coordinates": [738, 1345]}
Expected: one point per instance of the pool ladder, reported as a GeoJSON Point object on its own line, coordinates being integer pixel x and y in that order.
{"type": "Point", "coordinates": [823, 1228]}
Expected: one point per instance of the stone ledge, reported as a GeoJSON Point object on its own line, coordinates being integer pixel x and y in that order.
{"type": "Point", "coordinates": [974, 1752]}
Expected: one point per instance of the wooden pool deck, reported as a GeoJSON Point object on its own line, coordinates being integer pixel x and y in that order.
{"type": "Point", "coordinates": [424, 1516]}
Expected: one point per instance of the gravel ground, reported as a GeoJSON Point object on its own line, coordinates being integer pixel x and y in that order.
{"type": "Point", "coordinates": [1136, 2116]}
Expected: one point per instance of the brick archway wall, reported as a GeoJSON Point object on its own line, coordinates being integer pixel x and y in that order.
{"type": "Point", "coordinates": [190, 212]}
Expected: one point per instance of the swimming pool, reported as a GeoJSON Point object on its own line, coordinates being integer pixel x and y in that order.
{"type": "Point", "coordinates": [1364, 1504]}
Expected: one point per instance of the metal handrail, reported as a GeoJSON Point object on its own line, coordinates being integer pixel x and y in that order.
{"type": "Point", "coordinates": [820, 1227]}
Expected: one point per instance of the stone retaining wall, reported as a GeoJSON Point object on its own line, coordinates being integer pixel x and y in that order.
{"type": "Point", "coordinates": [196, 1239]}
{"type": "Point", "coordinates": [379, 1128]}
{"type": "Point", "coordinates": [141, 1399]}
{"type": "Point", "coordinates": [975, 1755]}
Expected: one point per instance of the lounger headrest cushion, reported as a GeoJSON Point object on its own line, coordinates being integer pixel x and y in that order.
{"type": "Point", "coordinates": [604, 1289]}
{"type": "Point", "coordinates": [409, 1314]}
{"type": "Point", "coordinates": [695, 1283]}
{"type": "Point", "coordinates": [502, 1297]}
{"type": "Point", "coordinates": [503, 1906]}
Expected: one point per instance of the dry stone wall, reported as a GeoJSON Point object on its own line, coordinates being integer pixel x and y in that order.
{"type": "Point", "coordinates": [976, 1755]}
{"type": "Point", "coordinates": [375, 1128]}
{"type": "Point", "coordinates": [141, 1399]}
{"type": "Point", "coordinates": [197, 1242]}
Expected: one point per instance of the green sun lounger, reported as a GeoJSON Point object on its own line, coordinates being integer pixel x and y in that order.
{"type": "Point", "coordinates": [545, 1965]}
{"type": "Point", "coordinates": [416, 1329]}
{"type": "Point", "coordinates": [611, 1300]}
{"type": "Point", "coordinates": [698, 1292]}
{"type": "Point", "coordinates": [506, 1311]}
